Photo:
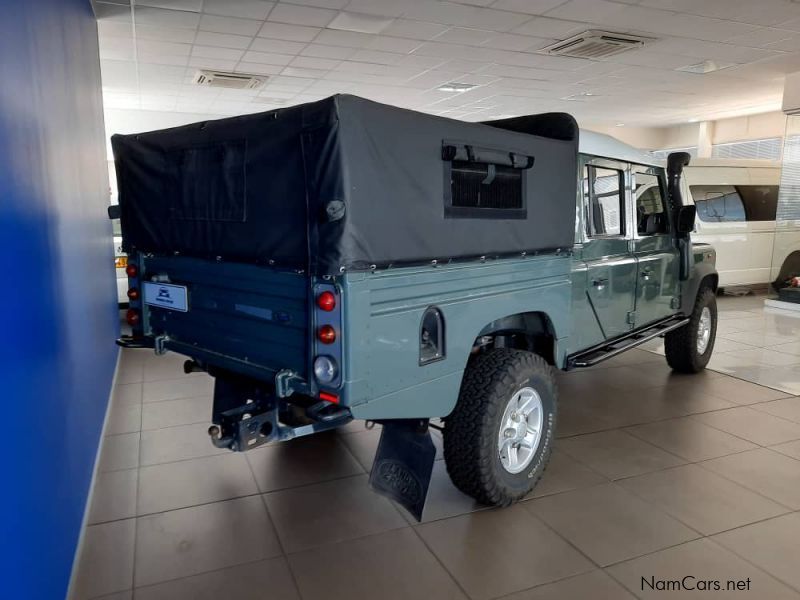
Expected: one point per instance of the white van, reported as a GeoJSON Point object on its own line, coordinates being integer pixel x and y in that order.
{"type": "Point", "coordinates": [736, 204]}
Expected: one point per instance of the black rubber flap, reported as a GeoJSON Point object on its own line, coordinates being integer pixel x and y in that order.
{"type": "Point", "coordinates": [403, 465]}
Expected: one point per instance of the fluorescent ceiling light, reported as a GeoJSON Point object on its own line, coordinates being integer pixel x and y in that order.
{"type": "Point", "coordinates": [580, 96]}
{"type": "Point", "coordinates": [455, 86]}
{"type": "Point", "coordinates": [348, 21]}
{"type": "Point", "coordinates": [707, 66]}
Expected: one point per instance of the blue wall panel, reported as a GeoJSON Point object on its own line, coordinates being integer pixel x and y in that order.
{"type": "Point", "coordinates": [58, 314]}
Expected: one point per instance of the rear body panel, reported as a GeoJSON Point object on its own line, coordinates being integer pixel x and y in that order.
{"type": "Point", "coordinates": [383, 312]}
{"type": "Point", "coordinates": [257, 322]}
{"type": "Point", "coordinates": [244, 318]}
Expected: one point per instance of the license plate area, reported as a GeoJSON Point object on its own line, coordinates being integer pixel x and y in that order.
{"type": "Point", "coordinates": [166, 295]}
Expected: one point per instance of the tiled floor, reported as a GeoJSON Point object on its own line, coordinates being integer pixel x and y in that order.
{"type": "Point", "coordinates": [654, 475]}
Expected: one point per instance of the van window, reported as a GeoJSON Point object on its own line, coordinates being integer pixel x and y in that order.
{"type": "Point", "coordinates": [732, 204]}
{"type": "Point", "coordinates": [606, 204]}
{"type": "Point", "coordinates": [651, 211]}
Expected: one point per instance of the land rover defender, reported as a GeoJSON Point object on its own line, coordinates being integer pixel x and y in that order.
{"type": "Point", "coordinates": [346, 260]}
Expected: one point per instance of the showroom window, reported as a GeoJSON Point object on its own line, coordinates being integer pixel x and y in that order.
{"type": "Point", "coordinates": [663, 154]}
{"type": "Point", "coordinates": [766, 149]}
{"type": "Point", "coordinates": [606, 201]}
{"type": "Point", "coordinates": [731, 204]}
{"type": "Point", "coordinates": [651, 211]}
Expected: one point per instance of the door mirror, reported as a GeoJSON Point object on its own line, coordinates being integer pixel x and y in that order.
{"type": "Point", "coordinates": [685, 218]}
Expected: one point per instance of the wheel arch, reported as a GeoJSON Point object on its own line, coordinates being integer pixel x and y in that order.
{"type": "Point", "coordinates": [704, 275]}
{"type": "Point", "coordinates": [790, 263]}
{"type": "Point", "coordinates": [533, 331]}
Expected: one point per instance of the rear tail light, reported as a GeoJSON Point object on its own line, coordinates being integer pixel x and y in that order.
{"type": "Point", "coordinates": [326, 334]}
{"type": "Point", "coordinates": [325, 369]}
{"type": "Point", "coordinates": [132, 317]}
{"type": "Point", "coordinates": [133, 293]}
{"type": "Point", "coordinates": [132, 270]}
{"type": "Point", "coordinates": [326, 301]}
{"type": "Point", "coordinates": [328, 397]}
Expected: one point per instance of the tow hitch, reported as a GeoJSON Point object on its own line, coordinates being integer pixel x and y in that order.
{"type": "Point", "coordinates": [404, 463]}
{"type": "Point", "coordinates": [248, 414]}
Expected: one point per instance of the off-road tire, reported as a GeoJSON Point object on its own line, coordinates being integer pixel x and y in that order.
{"type": "Point", "coordinates": [471, 431]}
{"type": "Point", "coordinates": [680, 345]}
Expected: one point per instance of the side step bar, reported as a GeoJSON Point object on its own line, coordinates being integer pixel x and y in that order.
{"type": "Point", "coordinates": [612, 348]}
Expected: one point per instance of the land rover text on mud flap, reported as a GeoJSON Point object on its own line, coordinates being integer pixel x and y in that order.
{"type": "Point", "coordinates": [346, 260]}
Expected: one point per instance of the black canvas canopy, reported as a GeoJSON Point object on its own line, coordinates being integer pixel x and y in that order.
{"type": "Point", "coordinates": [346, 183]}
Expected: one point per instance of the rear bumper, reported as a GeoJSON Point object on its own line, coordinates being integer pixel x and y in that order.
{"type": "Point", "coordinates": [130, 341]}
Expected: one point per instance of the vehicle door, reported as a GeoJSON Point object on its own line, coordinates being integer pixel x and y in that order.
{"type": "Point", "coordinates": [658, 260]}
{"type": "Point", "coordinates": [739, 221]}
{"type": "Point", "coordinates": [606, 252]}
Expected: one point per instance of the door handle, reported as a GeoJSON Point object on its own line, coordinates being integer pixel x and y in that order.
{"type": "Point", "coordinates": [645, 274]}
{"type": "Point", "coordinates": [600, 283]}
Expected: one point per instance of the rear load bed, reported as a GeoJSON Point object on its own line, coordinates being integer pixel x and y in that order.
{"type": "Point", "coordinates": [243, 318]}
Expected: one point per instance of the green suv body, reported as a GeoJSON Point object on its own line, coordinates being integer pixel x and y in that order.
{"type": "Point", "coordinates": [472, 345]}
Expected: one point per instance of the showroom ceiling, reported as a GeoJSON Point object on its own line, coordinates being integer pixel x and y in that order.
{"type": "Point", "coordinates": [472, 59]}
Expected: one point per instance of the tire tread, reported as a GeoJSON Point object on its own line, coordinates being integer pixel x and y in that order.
{"type": "Point", "coordinates": [468, 449]}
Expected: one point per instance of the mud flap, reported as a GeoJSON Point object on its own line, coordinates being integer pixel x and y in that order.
{"type": "Point", "coordinates": [403, 464]}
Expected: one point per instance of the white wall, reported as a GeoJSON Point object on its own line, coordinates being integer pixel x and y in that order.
{"type": "Point", "coordinates": [703, 135]}
{"type": "Point", "coordinates": [751, 127]}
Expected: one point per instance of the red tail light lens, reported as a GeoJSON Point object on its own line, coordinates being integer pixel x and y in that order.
{"type": "Point", "coordinates": [328, 397]}
{"type": "Point", "coordinates": [326, 301]}
{"type": "Point", "coordinates": [132, 317]}
{"type": "Point", "coordinates": [132, 270]}
{"type": "Point", "coordinates": [326, 334]}
{"type": "Point", "coordinates": [133, 294]}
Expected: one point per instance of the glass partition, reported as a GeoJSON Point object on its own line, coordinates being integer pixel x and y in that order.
{"type": "Point", "coordinates": [786, 245]}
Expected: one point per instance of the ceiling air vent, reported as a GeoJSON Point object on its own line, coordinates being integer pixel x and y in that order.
{"type": "Point", "coordinates": [231, 81]}
{"type": "Point", "coordinates": [596, 45]}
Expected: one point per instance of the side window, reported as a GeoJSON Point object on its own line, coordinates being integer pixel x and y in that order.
{"type": "Point", "coordinates": [651, 210]}
{"type": "Point", "coordinates": [484, 183]}
{"type": "Point", "coordinates": [718, 203]}
{"type": "Point", "coordinates": [606, 201]}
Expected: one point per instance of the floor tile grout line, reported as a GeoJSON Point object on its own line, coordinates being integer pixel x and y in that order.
{"type": "Point", "coordinates": [659, 420]}
{"type": "Point", "coordinates": [673, 455]}
{"type": "Point", "coordinates": [745, 439]}
{"type": "Point", "coordinates": [733, 435]}
{"type": "Point", "coordinates": [755, 491]}
{"type": "Point", "coordinates": [136, 501]}
{"type": "Point", "coordinates": [754, 565]}
{"type": "Point", "coordinates": [652, 505]}
{"type": "Point", "coordinates": [438, 560]}
{"type": "Point", "coordinates": [275, 531]}
{"type": "Point", "coordinates": [183, 577]}
{"type": "Point", "coordinates": [561, 536]}
{"type": "Point", "coordinates": [692, 527]}
{"type": "Point", "coordinates": [709, 538]}
{"type": "Point", "coordinates": [774, 415]}
{"type": "Point", "coordinates": [239, 497]}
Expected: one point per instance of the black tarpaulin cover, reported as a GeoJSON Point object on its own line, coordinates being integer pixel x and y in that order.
{"type": "Point", "coordinates": [348, 183]}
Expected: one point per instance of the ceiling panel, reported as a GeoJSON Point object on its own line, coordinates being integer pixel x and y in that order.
{"type": "Point", "coordinates": [247, 9]}
{"type": "Point", "coordinates": [402, 51]}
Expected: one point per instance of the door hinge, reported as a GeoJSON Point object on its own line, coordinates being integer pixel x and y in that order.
{"type": "Point", "coordinates": [632, 317]}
